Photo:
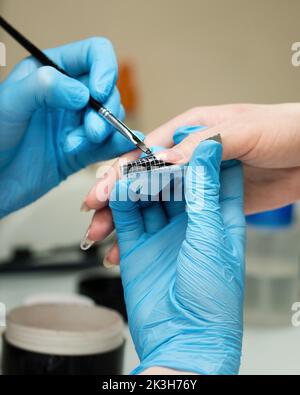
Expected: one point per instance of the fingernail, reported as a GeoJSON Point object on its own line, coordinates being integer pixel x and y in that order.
{"type": "Point", "coordinates": [107, 263]}
{"type": "Point", "coordinates": [86, 243]}
{"type": "Point", "coordinates": [104, 176]}
{"type": "Point", "coordinates": [216, 138]}
{"type": "Point", "coordinates": [84, 208]}
{"type": "Point", "coordinates": [172, 155]}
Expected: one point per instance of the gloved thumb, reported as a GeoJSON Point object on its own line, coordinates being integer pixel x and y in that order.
{"type": "Point", "coordinates": [202, 189]}
{"type": "Point", "coordinates": [184, 131]}
{"type": "Point", "coordinates": [44, 87]}
{"type": "Point", "coordinates": [127, 217]}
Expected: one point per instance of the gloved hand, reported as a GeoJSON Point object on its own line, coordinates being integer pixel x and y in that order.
{"type": "Point", "coordinates": [183, 271]}
{"type": "Point", "coordinates": [46, 133]}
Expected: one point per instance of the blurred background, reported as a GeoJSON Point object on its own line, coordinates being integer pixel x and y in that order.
{"type": "Point", "coordinates": [173, 55]}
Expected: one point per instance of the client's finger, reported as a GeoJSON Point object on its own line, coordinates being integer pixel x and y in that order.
{"type": "Point", "coordinates": [100, 227]}
{"type": "Point", "coordinates": [163, 136]}
{"type": "Point", "coordinates": [112, 257]}
{"type": "Point", "coordinates": [99, 194]}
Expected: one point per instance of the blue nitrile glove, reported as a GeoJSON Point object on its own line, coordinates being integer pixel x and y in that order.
{"type": "Point", "coordinates": [183, 271]}
{"type": "Point", "coordinates": [46, 133]}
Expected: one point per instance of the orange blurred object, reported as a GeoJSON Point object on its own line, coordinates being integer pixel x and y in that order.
{"type": "Point", "coordinates": [127, 87]}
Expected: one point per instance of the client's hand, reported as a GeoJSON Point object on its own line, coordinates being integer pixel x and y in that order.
{"type": "Point", "coordinates": [266, 138]}
{"type": "Point", "coordinates": [182, 267]}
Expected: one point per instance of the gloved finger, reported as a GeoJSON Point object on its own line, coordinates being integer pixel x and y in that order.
{"type": "Point", "coordinates": [71, 120]}
{"type": "Point", "coordinates": [176, 204]}
{"type": "Point", "coordinates": [104, 70]}
{"type": "Point", "coordinates": [184, 131]}
{"type": "Point", "coordinates": [127, 216]}
{"type": "Point", "coordinates": [202, 187]}
{"type": "Point", "coordinates": [84, 79]}
{"type": "Point", "coordinates": [86, 152]}
{"type": "Point", "coordinates": [94, 56]}
{"type": "Point", "coordinates": [186, 139]}
{"type": "Point", "coordinates": [122, 113]}
{"type": "Point", "coordinates": [173, 208]}
{"type": "Point", "coordinates": [97, 128]}
{"type": "Point", "coordinates": [172, 196]}
{"type": "Point", "coordinates": [76, 141]}
{"type": "Point", "coordinates": [154, 217]}
{"type": "Point", "coordinates": [232, 206]}
{"type": "Point", "coordinates": [115, 145]}
{"type": "Point", "coordinates": [44, 87]}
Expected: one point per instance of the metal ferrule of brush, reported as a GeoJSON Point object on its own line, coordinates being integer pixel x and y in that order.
{"type": "Point", "coordinates": [117, 124]}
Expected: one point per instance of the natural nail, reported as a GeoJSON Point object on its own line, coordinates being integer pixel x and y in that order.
{"type": "Point", "coordinates": [172, 155]}
{"type": "Point", "coordinates": [86, 243]}
{"type": "Point", "coordinates": [84, 208]}
{"type": "Point", "coordinates": [107, 263]}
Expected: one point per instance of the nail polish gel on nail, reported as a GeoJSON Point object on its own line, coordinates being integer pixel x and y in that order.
{"type": "Point", "coordinates": [172, 155]}
{"type": "Point", "coordinates": [107, 263]}
{"type": "Point", "coordinates": [86, 243]}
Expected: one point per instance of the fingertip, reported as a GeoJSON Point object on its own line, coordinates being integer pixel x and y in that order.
{"type": "Point", "coordinates": [101, 225]}
{"type": "Point", "coordinates": [91, 199]}
{"type": "Point", "coordinates": [124, 196]}
{"type": "Point", "coordinates": [103, 82]}
{"type": "Point", "coordinates": [202, 178]}
{"type": "Point", "coordinates": [82, 96]}
{"type": "Point", "coordinates": [155, 150]}
{"type": "Point", "coordinates": [120, 144]}
{"type": "Point", "coordinates": [119, 193]}
{"type": "Point", "coordinates": [113, 255]}
{"type": "Point", "coordinates": [207, 151]}
{"type": "Point", "coordinates": [52, 88]}
{"type": "Point", "coordinates": [97, 130]}
{"type": "Point", "coordinates": [76, 93]}
{"type": "Point", "coordinates": [74, 141]}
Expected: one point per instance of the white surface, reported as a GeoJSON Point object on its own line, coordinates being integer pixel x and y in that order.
{"type": "Point", "coordinates": [266, 350]}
